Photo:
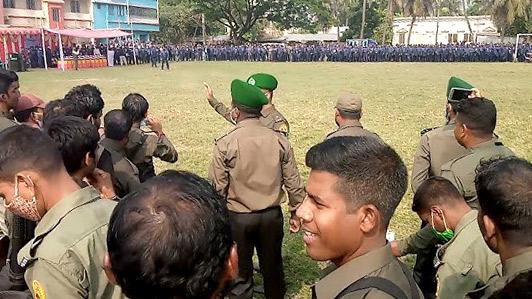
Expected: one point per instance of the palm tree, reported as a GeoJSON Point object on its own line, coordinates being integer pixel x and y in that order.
{"type": "Point", "coordinates": [505, 12]}
{"type": "Point", "coordinates": [393, 6]}
{"type": "Point", "coordinates": [364, 2]}
{"type": "Point", "coordinates": [464, 7]}
{"type": "Point", "coordinates": [437, 2]}
{"type": "Point", "coordinates": [415, 9]}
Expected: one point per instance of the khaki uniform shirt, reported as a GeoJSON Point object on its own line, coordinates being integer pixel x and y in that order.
{"type": "Point", "coordinates": [379, 263]}
{"type": "Point", "coordinates": [65, 258]}
{"type": "Point", "coordinates": [510, 270]}
{"type": "Point", "coordinates": [5, 123]}
{"type": "Point", "coordinates": [436, 148]}
{"type": "Point", "coordinates": [250, 166]}
{"type": "Point", "coordinates": [351, 130]}
{"type": "Point", "coordinates": [124, 173]}
{"type": "Point", "coordinates": [462, 171]}
{"type": "Point", "coordinates": [465, 263]}
{"type": "Point", "coordinates": [271, 117]}
{"type": "Point", "coordinates": [143, 145]}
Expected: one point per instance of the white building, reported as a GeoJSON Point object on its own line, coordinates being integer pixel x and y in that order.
{"type": "Point", "coordinates": [451, 30]}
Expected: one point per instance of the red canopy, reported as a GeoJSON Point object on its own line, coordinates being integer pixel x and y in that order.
{"type": "Point", "coordinates": [90, 33]}
{"type": "Point", "coordinates": [19, 31]}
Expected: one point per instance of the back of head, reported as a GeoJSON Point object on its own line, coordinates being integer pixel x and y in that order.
{"type": "Point", "coordinates": [75, 137]}
{"type": "Point", "coordinates": [479, 115]}
{"type": "Point", "coordinates": [117, 124]}
{"type": "Point", "coordinates": [436, 191]}
{"type": "Point", "coordinates": [370, 171]}
{"type": "Point", "coordinates": [6, 79]}
{"type": "Point", "coordinates": [136, 105]}
{"type": "Point", "coordinates": [170, 239]}
{"type": "Point", "coordinates": [83, 101]}
{"type": "Point", "coordinates": [53, 110]}
{"type": "Point", "coordinates": [504, 190]}
{"type": "Point", "coordinates": [24, 148]}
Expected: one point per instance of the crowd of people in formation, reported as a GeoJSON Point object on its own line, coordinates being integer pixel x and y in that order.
{"type": "Point", "coordinates": [128, 53]}
{"type": "Point", "coordinates": [85, 214]}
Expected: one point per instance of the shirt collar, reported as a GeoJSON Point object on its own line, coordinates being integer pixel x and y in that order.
{"type": "Point", "coordinates": [484, 145]}
{"type": "Point", "coordinates": [517, 264]}
{"type": "Point", "coordinates": [113, 145]}
{"type": "Point", "coordinates": [356, 123]}
{"type": "Point", "coordinates": [340, 278]}
{"type": "Point", "coordinates": [269, 110]}
{"type": "Point", "coordinates": [466, 220]}
{"type": "Point", "coordinates": [64, 207]}
{"type": "Point", "coordinates": [248, 122]}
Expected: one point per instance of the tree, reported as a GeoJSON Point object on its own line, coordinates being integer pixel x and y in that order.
{"type": "Point", "coordinates": [464, 8]}
{"type": "Point", "coordinates": [505, 12]}
{"type": "Point", "coordinates": [363, 18]}
{"type": "Point", "coordinates": [375, 25]}
{"type": "Point", "coordinates": [415, 9]}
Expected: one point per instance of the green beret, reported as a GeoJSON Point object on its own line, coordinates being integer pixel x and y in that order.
{"type": "Point", "coordinates": [263, 81]}
{"type": "Point", "coordinates": [457, 83]}
{"type": "Point", "coordinates": [247, 95]}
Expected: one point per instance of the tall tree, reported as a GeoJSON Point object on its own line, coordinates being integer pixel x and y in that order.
{"type": "Point", "coordinates": [505, 12]}
{"type": "Point", "coordinates": [364, 3]}
{"type": "Point", "coordinates": [415, 9]}
{"type": "Point", "coordinates": [464, 8]}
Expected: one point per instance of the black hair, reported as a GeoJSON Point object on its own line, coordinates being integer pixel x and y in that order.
{"type": "Point", "coordinates": [83, 101]}
{"type": "Point", "coordinates": [254, 112]}
{"type": "Point", "coordinates": [53, 110]}
{"type": "Point", "coordinates": [170, 239]}
{"type": "Point", "coordinates": [433, 191]}
{"type": "Point", "coordinates": [25, 148]}
{"type": "Point", "coordinates": [6, 79]}
{"type": "Point", "coordinates": [117, 124]}
{"type": "Point", "coordinates": [75, 137]}
{"type": "Point", "coordinates": [136, 105]}
{"type": "Point", "coordinates": [504, 190]}
{"type": "Point", "coordinates": [24, 115]}
{"type": "Point", "coordinates": [369, 171]}
{"type": "Point", "coordinates": [478, 114]}
{"type": "Point", "coordinates": [350, 114]}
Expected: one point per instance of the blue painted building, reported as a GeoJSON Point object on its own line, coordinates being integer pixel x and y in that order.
{"type": "Point", "coordinates": [138, 16]}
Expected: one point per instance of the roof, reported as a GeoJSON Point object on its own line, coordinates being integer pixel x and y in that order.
{"type": "Point", "coordinates": [83, 33]}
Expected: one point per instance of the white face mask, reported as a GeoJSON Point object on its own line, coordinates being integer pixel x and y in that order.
{"type": "Point", "coordinates": [233, 120]}
{"type": "Point", "coordinates": [23, 208]}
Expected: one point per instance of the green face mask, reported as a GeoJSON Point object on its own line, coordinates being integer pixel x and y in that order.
{"type": "Point", "coordinates": [444, 236]}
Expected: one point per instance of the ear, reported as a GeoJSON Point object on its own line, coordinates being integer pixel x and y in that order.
{"type": "Point", "coordinates": [490, 229]}
{"type": "Point", "coordinates": [336, 112]}
{"type": "Point", "coordinates": [369, 218]}
{"type": "Point", "coordinates": [89, 160]}
{"type": "Point", "coordinates": [231, 265]}
{"type": "Point", "coordinates": [107, 268]}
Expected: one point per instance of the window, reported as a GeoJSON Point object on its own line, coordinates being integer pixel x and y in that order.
{"type": "Point", "coordinates": [402, 38]}
{"type": "Point", "coordinates": [111, 9]}
{"type": "Point", "coordinates": [30, 4]}
{"type": "Point", "coordinates": [141, 12]}
{"type": "Point", "coordinates": [9, 3]}
{"type": "Point", "coordinates": [468, 37]}
{"type": "Point", "coordinates": [121, 11]}
{"type": "Point", "coordinates": [74, 6]}
{"type": "Point", "coordinates": [452, 38]}
{"type": "Point", "coordinates": [98, 6]}
{"type": "Point", "coordinates": [55, 14]}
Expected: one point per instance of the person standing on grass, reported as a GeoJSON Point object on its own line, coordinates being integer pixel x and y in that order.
{"type": "Point", "coordinates": [348, 111]}
{"type": "Point", "coordinates": [252, 166]}
{"type": "Point", "coordinates": [355, 185]}
{"type": "Point", "coordinates": [165, 56]}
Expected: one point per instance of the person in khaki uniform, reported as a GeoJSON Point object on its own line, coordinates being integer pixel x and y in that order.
{"type": "Point", "coordinates": [438, 145]}
{"type": "Point", "coordinates": [348, 111]}
{"type": "Point", "coordinates": [65, 258]}
{"type": "Point", "coordinates": [464, 263]}
{"type": "Point", "coordinates": [475, 123]}
{"type": "Point", "coordinates": [147, 140]}
{"type": "Point", "coordinates": [251, 165]}
{"type": "Point", "coordinates": [270, 116]}
{"type": "Point", "coordinates": [504, 188]}
{"type": "Point", "coordinates": [354, 187]}
{"type": "Point", "coordinates": [112, 148]}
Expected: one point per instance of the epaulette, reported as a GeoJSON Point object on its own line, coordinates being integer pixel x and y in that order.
{"type": "Point", "coordinates": [226, 134]}
{"type": "Point", "coordinates": [499, 143]}
{"type": "Point", "coordinates": [425, 131]}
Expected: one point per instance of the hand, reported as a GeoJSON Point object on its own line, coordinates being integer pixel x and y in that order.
{"type": "Point", "coordinates": [295, 224]}
{"type": "Point", "coordinates": [395, 248]}
{"type": "Point", "coordinates": [208, 90]}
{"type": "Point", "coordinates": [475, 93]}
{"type": "Point", "coordinates": [154, 124]}
{"type": "Point", "coordinates": [102, 181]}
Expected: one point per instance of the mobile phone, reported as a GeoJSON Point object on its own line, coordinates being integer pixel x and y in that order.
{"type": "Point", "coordinates": [458, 94]}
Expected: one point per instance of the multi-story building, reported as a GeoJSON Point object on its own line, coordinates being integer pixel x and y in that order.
{"type": "Point", "coordinates": [53, 14]}
{"type": "Point", "coordinates": [141, 17]}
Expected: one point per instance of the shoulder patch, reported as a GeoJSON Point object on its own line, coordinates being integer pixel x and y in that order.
{"type": "Point", "coordinates": [425, 131]}
{"type": "Point", "coordinates": [283, 128]}
{"type": "Point", "coordinates": [38, 290]}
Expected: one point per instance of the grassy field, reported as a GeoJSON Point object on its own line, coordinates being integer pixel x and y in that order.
{"type": "Point", "coordinates": [399, 101]}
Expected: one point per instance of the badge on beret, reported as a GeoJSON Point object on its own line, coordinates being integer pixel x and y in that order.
{"type": "Point", "coordinates": [251, 81]}
{"type": "Point", "coordinates": [38, 290]}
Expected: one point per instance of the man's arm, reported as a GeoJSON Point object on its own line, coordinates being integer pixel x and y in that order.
{"type": "Point", "coordinates": [48, 280]}
{"type": "Point", "coordinates": [421, 168]}
{"type": "Point", "coordinates": [218, 172]}
{"type": "Point", "coordinates": [220, 107]}
{"type": "Point", "coordinates": [415, 243]}
{"type": "Point", "coordinates": [165, 150]}
{"type": "Point", "coordinates": [291, 178]}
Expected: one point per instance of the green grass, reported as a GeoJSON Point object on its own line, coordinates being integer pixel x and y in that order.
{"type": "Point", "coordinates": [399, 101]}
